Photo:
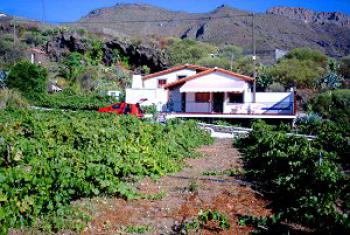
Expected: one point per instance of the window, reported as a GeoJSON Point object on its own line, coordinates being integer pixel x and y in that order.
{"type": "Point", "coordinates": [181, 76]}
{"type": "Point", "coordinates": [116, 106]}
{"type": "Point", "coordinates": [202, 97]}
{"type": "Point", "coordinates": [127, 109]}
{"type": "Point", "coordinates": [161, 83]}
{"type": "Point", "coordinates": [235, 97]}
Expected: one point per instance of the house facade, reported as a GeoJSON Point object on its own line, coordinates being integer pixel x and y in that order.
{"type": "Point", "coordinates": [191, 89]}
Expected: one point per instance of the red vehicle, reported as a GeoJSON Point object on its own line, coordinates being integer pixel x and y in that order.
{"type": "Point", "coordinates": [123, 109]}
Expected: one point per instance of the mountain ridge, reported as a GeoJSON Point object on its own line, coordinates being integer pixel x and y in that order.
{"type": "Point", "coordinates": [277, 28]}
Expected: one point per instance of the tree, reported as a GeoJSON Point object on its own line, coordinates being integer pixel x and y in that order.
{"type": "Point", "coordinates": [212, 62]}
{"type": "Point", "coordinates": [231, 58]}
{"type": "Point", "coordinates": [245, 66]}
{"type": "Point", "coordinates": [264, 78]}
{"type": "Point", "coordinates": [231, 52]}
{"type": "Point", "coordinates": [188, 51]}
{"type": "Point", "coordinates": [301, 67]}
{"type": "Point", "coordinates": [30, 79]}
{"type": "Point", "coordinates": [307, 54]}
{"type": "Point", "coordinates": [293, 72]}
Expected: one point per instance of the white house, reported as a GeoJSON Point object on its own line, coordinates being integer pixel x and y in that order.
{"type": "Point", "coordinates": [196, 90]}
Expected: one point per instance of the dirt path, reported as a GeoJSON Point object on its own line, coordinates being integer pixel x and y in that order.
{"type": "Point", "coordinates": [201, 185]}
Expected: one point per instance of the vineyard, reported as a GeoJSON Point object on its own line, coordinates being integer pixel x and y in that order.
{"type": "Point", "coordinates": [50, 159]}
{"type": "Point", "coordinates": [64, 100]}
{"type": "Point", "coordinates": [305, 180]}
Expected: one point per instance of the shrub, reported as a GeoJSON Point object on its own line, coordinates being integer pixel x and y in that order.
{"type": "Point", "coordinates": [9, 54]}
{"type": "Point", "coordinates": [33, 39]}
{"type": "Point", "coordinates": [345, 67]}
{"type": "Point", "coordinates": [72, 67]}
{"type": "Point", "coordinates": [10, 99]}
{"type": "Point", "coordinates": [30, 79]}
{"type": "Point", "coordinates": [334, 105]}
{"type": "Point", "coordinates": [309, 124]}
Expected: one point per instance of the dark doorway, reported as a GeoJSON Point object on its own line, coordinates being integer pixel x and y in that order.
{"type": "Point", "coordinates": [218, 102]}
{"type": "Point", "coordinates": [183, 102]}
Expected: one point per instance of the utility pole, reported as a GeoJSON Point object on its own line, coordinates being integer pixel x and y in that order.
{"type": "Point", "coordinates": [14, 31]}
{"type": "Point", "coordinates": [231, 65]}
{"type": "Point", "coordinates": [254, 58]}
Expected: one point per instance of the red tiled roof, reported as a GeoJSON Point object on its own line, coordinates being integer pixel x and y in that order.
{"type": "Point", "coordinates": [209, 71]}
{"type": "Point", "coordinates": [37, 50]}
{"type": "Point", "coordinates": [173, 69]}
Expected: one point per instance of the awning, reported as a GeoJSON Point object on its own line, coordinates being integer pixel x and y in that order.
{"type": "Point", "coordinates": [213, 86]}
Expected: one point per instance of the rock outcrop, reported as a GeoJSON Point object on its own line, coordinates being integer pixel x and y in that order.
{"type": "Point", "coordinates": [62, 45]}
{"type": "Point", "coordinates": [138, 55]}
{"type": "Point", "coordinates": [306, 15]}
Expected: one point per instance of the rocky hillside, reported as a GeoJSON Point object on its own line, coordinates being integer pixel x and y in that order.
{"type": "Point", "coordinates": [280, 27]}
{"type": "Point", "coordinates": [308, 16]}
{"type": "Point", "coordinates": [138, 55]}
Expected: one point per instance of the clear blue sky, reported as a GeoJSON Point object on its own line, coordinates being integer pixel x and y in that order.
{"type": "Point", "coordinates": [71, 10]}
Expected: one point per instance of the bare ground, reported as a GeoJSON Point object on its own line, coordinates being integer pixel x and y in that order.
{"type": "Point", "coordinates": [185, 194]}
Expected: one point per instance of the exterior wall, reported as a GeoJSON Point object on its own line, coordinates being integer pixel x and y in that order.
{"type": "Point", "coordinates": [148, 89]}
{"type": "Point", "coordinates": [193, 107]}
{"type": "Point", "coordinates": [152, 83]}
{"type": "Point", "coordinates": [137, 82]}
{"type": "Point", "coordinates": [158, 97]}
{"type": "Point", "coordinates": [211, 80]}
{"type": "Point", "coordinates": [266, 103]}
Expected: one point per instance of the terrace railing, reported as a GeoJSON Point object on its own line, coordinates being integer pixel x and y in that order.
{"type": "Point", "coordinates": [284, 107]}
